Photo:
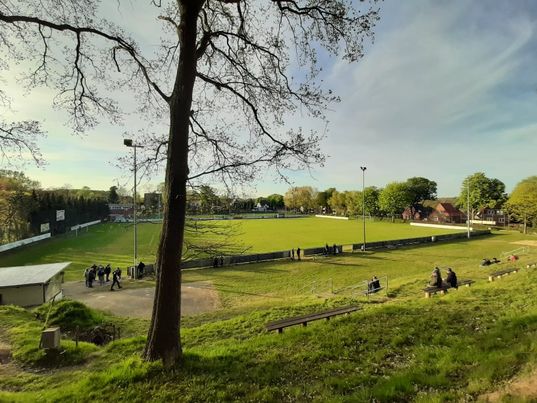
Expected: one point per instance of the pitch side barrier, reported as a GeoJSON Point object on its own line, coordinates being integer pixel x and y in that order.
{"type": "Point", "coordinates": [269, 256]}
{"type": "Point", "coordinates": [417, 241]}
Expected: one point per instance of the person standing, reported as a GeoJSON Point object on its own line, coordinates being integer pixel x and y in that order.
{"type": "Point", "coordinates": [100, 274]}
{"type": "Point", "coordinates": [91, 278]}
{"type": "Point", "coordinates": [293, 254]}
{"type": "Point", "coordinates": [107, 271]}
{"type": "Point", "coordinates": [116, 275]}
{"type": "Point", "coordinates": [298, 253]}
{"type": "Point", "coordinates": [86, 276]}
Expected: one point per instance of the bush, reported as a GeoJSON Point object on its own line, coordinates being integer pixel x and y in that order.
{"type": "Point", "coordinates": [69, 315]}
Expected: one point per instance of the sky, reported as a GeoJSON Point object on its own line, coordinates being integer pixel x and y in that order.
{"type": "Point", "coordinates": [445, 90]}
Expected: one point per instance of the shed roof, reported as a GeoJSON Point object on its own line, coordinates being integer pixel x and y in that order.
{"type": "Point", "coordinates": [29, 275]}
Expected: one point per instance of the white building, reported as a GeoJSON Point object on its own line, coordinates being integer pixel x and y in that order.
{"type": "Point", "coordinates": [31, 285]}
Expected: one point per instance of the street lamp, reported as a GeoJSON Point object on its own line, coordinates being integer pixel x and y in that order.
{"type": "Point", "coordinates": [129, 143]}
{"type": "Point", "coordinates": [363, 202]}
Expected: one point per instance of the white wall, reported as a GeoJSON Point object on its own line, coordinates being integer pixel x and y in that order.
{"type": "Point", "coordinates": [23, 296]}
{"type": "Point", "coordinates": [331, 216]}
{"type": "Point", "coordinates": [453, 227]}
{"type": "Point", "coordinates": [22, 242]}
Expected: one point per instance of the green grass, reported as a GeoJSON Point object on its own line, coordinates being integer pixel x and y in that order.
{"type": "Point", "coordinates": [398, 348]}
{"type": "Point", "coordinates": [113, 243]}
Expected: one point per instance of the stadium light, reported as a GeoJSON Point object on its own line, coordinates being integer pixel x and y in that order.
{"type": "Point", "coordinates": [129, 143]}
{"type": "Point", "coordinates": [468, 209]}
{"type": "Point", "coordinates": [363, 202]}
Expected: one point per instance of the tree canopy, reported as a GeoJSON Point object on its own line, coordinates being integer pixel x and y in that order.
{"type": "Point", "coordinates": [218, 91]}
{"type": "Point", "coordinates": [394, 198]}
{"type": "Point", "coordinates": [522, 202]}
{"type": "Point", "coordinates": [484, 192]}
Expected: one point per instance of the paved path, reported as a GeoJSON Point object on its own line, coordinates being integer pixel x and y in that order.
{"type": "Point", "coordinates": [196, 298]}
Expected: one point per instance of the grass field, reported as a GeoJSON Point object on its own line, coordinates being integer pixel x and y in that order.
{"type": "Point", "coordinates": [400, 347]}
{"type": "Point", "coordinates": [113, 243]}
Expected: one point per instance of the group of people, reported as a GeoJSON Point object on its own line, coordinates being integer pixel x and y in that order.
{"type": "Point", "coordinates": [334, 250]}
{"type": "Point", "coordinates": [218, 261]}
{"type": "Point", "coordinates": [488, 262]}
{"type": "Point", "coordinates": [102, 273]}
{"type": "Point", "coordinates": [298, 251]}
{"type": "Point", "coordinates": [436, 278]}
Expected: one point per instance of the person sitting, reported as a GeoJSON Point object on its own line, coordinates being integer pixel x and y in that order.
{"type": "Point", "coordinates": [485, 262]}
{"type": "Point", "coordinates": [512, 258]}
{"type": "Point", "coordinates": [436, 278]}
{"type": "Point", "coordinates": [451, 278]}
{"type": "Point", "coordinates": [375, 282]}
{"type": "Point", "coordinates": [494, 260]}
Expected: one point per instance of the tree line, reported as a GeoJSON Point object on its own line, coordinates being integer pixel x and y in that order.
{"type": "Point", "coordinates": [27, 210]}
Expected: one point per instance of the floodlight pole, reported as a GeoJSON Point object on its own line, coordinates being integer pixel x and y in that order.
{"type": "Point", "coordinates": [129, 143]}
{"type": "Point", "coordinates": [468, 209]}
{"type": "Point", "coordinates": [363, 202]}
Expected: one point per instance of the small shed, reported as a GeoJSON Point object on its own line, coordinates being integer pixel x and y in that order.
{"type": "Point", "coordinates": [31, 285]}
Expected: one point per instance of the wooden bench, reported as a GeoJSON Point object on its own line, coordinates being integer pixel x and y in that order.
{"type": "Point", "coordinates": [442, 290]}
{"type": "Point", "coordinates": [303, 320]}
{"type": "Point", "coordinates": [501, 273]}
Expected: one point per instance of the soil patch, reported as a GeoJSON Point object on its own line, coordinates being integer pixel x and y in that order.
{"type": "Point", "coordinates": [196, 298]}
{"type": "Point", "coordinates": [524, 388]}
{"type": "Point", "coordinates": [5, 353]}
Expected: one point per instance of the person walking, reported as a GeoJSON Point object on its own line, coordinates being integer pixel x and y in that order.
{"type": "Point", "coordinates": [116, 275]}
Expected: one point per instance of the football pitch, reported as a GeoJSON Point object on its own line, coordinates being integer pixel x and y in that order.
{"type": "Point", "coordinates": [113, 243]}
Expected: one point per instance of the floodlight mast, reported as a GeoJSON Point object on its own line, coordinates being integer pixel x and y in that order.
{"type": "Point", "coordinates": [468, 209]}
{"type": "Point", "coordinates": [363, 203]}
{"type": "Point", "coordinates": [129, 143]}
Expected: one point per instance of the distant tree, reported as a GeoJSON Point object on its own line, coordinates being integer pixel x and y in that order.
{"type": "Point", "coordinates": [113, 197]}
{"type": "Point", "coordinates": [420, 189]}
{"type": "Point", "coordinates": [276, 201]}
{"type": "Point", "coordinates": [321, 200]}
{"type": "Point", "coordinates": [208, 199]}
{"type": "Point", "coordinates": [394, 198]}
{"type": "Point", "coordinates": [300, 198]}
{"type": "Point", "coordinates": [338, 202]}
{"type": "Point", "coordinates": [522, 202]}
{"type": "Point", "coordinates": [371, 195]}
{"type": "Point", "coordinates": [353, 201]}
{"type": "Point", "coordinates": [484, 192]}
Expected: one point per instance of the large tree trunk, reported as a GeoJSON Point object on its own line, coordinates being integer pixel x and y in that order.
{"type": "Point", "coordinates": [163, 340]}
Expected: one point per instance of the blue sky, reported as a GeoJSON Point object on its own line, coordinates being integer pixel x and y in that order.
{"type": "Point", "coordinates": [446, 90]}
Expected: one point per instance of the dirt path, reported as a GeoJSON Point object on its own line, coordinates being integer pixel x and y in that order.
{"type": "Point", "coordinates": [196, 298]}
{"type": "Point", "coordinates": [523, 388]}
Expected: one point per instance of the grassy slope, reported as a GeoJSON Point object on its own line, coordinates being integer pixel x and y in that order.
{"type": "Point", "coordinates": [407, 348]}
{"type": "Point", "coordinates": [112, 243]}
